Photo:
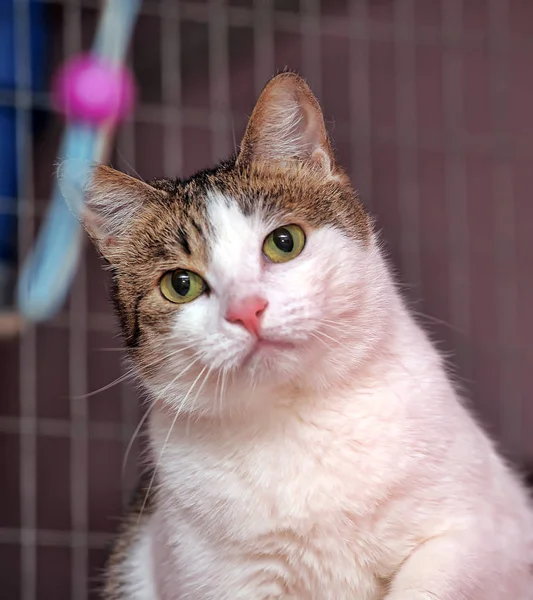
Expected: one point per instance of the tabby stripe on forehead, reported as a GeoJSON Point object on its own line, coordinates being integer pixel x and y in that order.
{"type": "Point", "coordinates": [184, 242]}
{"type": "Point", "coordinates": [198, 228]}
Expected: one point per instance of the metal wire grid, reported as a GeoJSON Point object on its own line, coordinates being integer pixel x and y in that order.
{"type": "Point", "coordinates": [265, 19]}
{"type": "Point", "coordinates": [505, 218]}
{"type": "Point", "coordinates": [28, 487]}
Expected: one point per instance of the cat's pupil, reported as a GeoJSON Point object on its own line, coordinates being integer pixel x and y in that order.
{"type": "Point", "coordinates": [283, 240]}
{"type": "Point", "coordinates": [181, 282]}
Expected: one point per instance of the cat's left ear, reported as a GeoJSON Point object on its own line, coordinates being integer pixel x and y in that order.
{"type": "Point", "coordinates": [286, 125]}
{"type": "Point", "coordinates": [104, 200]}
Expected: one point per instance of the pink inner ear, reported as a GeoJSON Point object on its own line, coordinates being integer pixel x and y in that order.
{"type": "Point", "coordinates": [321, 160]}
{"type": "Point", "coordinates": [93, 224]}
{"type": "Point", "coordinates": [111, 200]}
{"type": "Point", "coordinates": [287, 123]}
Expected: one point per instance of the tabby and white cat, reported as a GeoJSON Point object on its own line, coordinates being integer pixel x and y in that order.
{"type": "Point", "coordinates": [306, 439]}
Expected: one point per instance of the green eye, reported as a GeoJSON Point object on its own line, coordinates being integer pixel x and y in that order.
{"type": "Point", "coordinates": [182, 286]}
{"type": "Point", "coordinates": [284, 243]}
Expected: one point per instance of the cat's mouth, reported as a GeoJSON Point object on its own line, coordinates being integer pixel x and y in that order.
{"type": "Point", "coordinates": [266, 347]}
{"type": "Point", "coordinates": [266, 343]}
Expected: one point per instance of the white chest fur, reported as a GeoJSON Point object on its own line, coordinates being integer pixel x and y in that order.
{"type": "Point", "coordinates": [316, 505]}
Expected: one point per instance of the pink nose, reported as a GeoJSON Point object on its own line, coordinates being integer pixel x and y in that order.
{"type": "Point", "coordinates": [247, 312]}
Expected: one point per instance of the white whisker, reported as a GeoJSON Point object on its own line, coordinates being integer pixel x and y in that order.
{"type": "Point", "coordinates": [332, 339]}
{"type": "Point", "coordinates": [152, 479]}
{"type": "Point", "coordinates": [128, 375]}
{"type": "Point", "coordinates": [131, 374]}
{"type": "Point", "coordinates": [223, 389]}
{"type": "Point", "coordinates": [186, 397]}
{"type": "Point", "coordinates": [217, 384]}
{"type": "Point", "coordinates": [196, 397]}
{"type": "Point", "coordinates": [132, 439]}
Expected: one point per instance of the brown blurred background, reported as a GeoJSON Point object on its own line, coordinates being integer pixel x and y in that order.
{"type": "Point", "coordinates": [429, 105]}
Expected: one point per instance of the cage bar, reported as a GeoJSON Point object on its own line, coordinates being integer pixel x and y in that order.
{"type": "Point", "coordinates": [456, 200]}
{"type": "Point", "coordinates": [27, 345]}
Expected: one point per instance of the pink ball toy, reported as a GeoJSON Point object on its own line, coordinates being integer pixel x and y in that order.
{"type": "Point", "coordinates": [89, 89]}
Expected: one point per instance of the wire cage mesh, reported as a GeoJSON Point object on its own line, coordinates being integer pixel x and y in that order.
{"type": "Point", "coordinates": [428, 103]}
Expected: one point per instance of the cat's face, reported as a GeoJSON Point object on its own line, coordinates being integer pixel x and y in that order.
{"type": "Point", "coordinates": [255, 274]}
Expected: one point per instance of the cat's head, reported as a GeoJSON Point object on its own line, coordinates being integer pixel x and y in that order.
{"type": "Point", "coordinates": [261, 272]}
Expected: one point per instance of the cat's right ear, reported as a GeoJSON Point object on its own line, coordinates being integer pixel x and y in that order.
{"type": "Point", "coordinates": [104, 200]}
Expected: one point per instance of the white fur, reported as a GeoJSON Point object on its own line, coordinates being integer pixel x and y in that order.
{"type": "Point", "coordinates": [138, 569]}
{"type": "Point", "coordinates": [342, 467]}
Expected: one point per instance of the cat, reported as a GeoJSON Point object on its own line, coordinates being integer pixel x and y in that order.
{"type": "Point", "coordinates": [306, 439]}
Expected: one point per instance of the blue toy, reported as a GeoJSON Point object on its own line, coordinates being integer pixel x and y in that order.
{"type": "Point", "coordinates": [94, 92]}
{"type": "Point", "coordinates": [9, 165]}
